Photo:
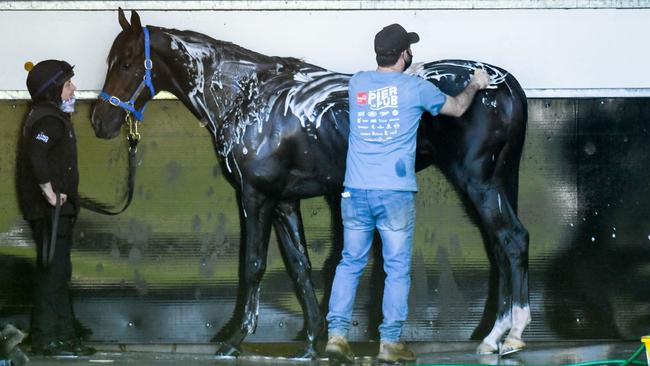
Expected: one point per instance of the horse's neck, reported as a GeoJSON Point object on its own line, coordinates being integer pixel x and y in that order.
{"type": "Point", "coordinates": [214, 83]}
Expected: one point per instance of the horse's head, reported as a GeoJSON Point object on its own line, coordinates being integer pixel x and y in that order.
{"type": "Point", "coordinates": [128, 85]}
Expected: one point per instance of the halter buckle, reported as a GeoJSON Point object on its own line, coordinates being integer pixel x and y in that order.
{"type": "Point", "coordinates": [148, 64]}
{"type": "Point", "coordinates": [113, 100]}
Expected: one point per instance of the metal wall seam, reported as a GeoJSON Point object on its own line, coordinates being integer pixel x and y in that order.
{"type": "Point", "coordinates": [530, 93]}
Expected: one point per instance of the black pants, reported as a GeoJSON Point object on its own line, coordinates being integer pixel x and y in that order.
{"type": "Point", "coordinates": [52, 317]}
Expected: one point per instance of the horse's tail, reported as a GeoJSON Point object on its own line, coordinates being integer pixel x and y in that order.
{"type": "Point", "coordinates": [519, 91]}
{"type": "Point", "coordinates": [517, 135]}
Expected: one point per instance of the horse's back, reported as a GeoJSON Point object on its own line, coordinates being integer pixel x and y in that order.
{"type": "Point", "coordinates": [495, 120]}
{"type": "Point", "coordinates": [318, 100]}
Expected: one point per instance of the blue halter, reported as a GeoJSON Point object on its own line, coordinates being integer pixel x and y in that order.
{"type": "Point", "coordinates": [146, 82]}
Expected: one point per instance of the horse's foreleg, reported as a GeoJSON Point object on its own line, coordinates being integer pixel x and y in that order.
{"type": "Point", "coordinates": [289, 227]}
{"type": "Point", "coordinates": [510, 245]}
{"type": "Point", "coordinates": [258, 215]}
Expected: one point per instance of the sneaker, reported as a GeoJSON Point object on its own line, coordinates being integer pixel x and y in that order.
{"type": "Point", "coordinates": [338, 349]}
{"type": "Point", "coordinates": [394, 352]}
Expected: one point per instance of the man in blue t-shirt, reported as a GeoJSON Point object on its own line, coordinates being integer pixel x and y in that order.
{"type": "Point", "coordinates": [385, 110]}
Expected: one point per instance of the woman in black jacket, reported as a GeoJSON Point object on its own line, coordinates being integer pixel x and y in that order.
{"type": "Point", "coordinates": [49, 200]}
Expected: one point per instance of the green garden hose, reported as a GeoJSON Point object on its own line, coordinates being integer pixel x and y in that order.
{"type": "Point", "coordinates": [629, 361]}
{"type": "Point", "coordinates": [614, 362]}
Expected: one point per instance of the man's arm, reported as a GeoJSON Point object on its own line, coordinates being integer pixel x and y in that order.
{"type": "Point", "coordinates": [456, 106]}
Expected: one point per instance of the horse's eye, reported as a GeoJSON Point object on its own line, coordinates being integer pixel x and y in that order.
{"type": "Point", "coordinates": [126, 66]}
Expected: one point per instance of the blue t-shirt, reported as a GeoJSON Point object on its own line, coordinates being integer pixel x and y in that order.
{"type": "Point", "coordinates": [385, 111]}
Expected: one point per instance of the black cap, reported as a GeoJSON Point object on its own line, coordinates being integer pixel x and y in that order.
{"type": "Point", "coordinates": [47, 74]}
{"type": "Point", "coordinates": [394, 39]}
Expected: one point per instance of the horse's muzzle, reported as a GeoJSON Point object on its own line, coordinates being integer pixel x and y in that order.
{"type": "Point", "coordinates": [99, 122]}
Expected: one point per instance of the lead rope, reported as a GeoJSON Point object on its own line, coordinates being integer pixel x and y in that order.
{"type": "Point", "coordinates": [133, 137]}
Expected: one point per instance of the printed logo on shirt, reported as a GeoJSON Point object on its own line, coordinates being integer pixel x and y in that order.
{"type": "Point", "coordinates": [43, 137]}
{"type": "Point", "coordinates": [383, 98]}
{"type": "Point", "coordinates": [379, 121]}
{"type": "Point", "coordinates": [362, 98]}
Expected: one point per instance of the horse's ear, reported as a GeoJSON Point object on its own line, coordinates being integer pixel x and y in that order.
{"type": "Point", "coordinates": [122, 19]}
{"type": "Point", "coordinates": [136, 26]}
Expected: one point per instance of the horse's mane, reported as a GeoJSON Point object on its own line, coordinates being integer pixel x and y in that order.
{"type": "Point", "coordinates": [236, 51]}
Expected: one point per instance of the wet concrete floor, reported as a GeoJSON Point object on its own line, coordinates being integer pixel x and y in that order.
{"type": "Point", "coordinates": [451, 353]}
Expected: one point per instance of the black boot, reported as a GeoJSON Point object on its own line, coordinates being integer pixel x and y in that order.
{"type": "Point", "coordinates": [75, 346]}
{"type": "Point", "coordinates": [52, 348]}
{"type": "Point", "coordinates": [17, 357]}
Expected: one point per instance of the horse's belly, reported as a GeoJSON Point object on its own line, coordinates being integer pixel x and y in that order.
{"type": "Point", "coordinates": [301, 184]}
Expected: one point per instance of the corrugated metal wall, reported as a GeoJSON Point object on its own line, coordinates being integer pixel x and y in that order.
{"type": "Point", "coordinates": [166, 270]}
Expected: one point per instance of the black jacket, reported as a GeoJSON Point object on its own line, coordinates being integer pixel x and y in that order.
{"type": "Point", "coordinates": [48, 153]}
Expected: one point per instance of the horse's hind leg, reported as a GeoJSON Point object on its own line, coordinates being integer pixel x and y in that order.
{"type": "Point", "coordinates": [289, 227]}
{"type": "Point", "coordinates": [258, 211]}
{"type": "Point", "coordinates": [509, 241]}
{"type": "Point", "coordinates": [521, 316]}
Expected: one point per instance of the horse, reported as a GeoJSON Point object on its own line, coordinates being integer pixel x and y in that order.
{"type": "Point", "coordinates": [280, 128]}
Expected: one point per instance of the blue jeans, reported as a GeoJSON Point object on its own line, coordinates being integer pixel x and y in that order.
{"type": "Point", "coordinates": [393, 214]}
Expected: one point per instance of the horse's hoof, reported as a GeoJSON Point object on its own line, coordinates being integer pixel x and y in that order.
{"type": "Point", "coordinates": [228, 350]}
{"type": "Point", "coordinates": [511, 345]}
{"type": "Point", "coordinates": [304, 354]}
{"type": "Point", "coordinates": [486, 349]}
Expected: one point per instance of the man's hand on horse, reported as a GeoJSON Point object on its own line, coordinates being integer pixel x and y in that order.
{"type": "Point", "coordinates": [481, 78]}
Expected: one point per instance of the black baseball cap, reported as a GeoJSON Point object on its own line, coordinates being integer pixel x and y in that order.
{"type": "Point", "coordinates": [394, 39]}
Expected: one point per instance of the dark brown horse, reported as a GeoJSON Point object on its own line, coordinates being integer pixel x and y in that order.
{"type": "Point", "coordinates": [280, 130]}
